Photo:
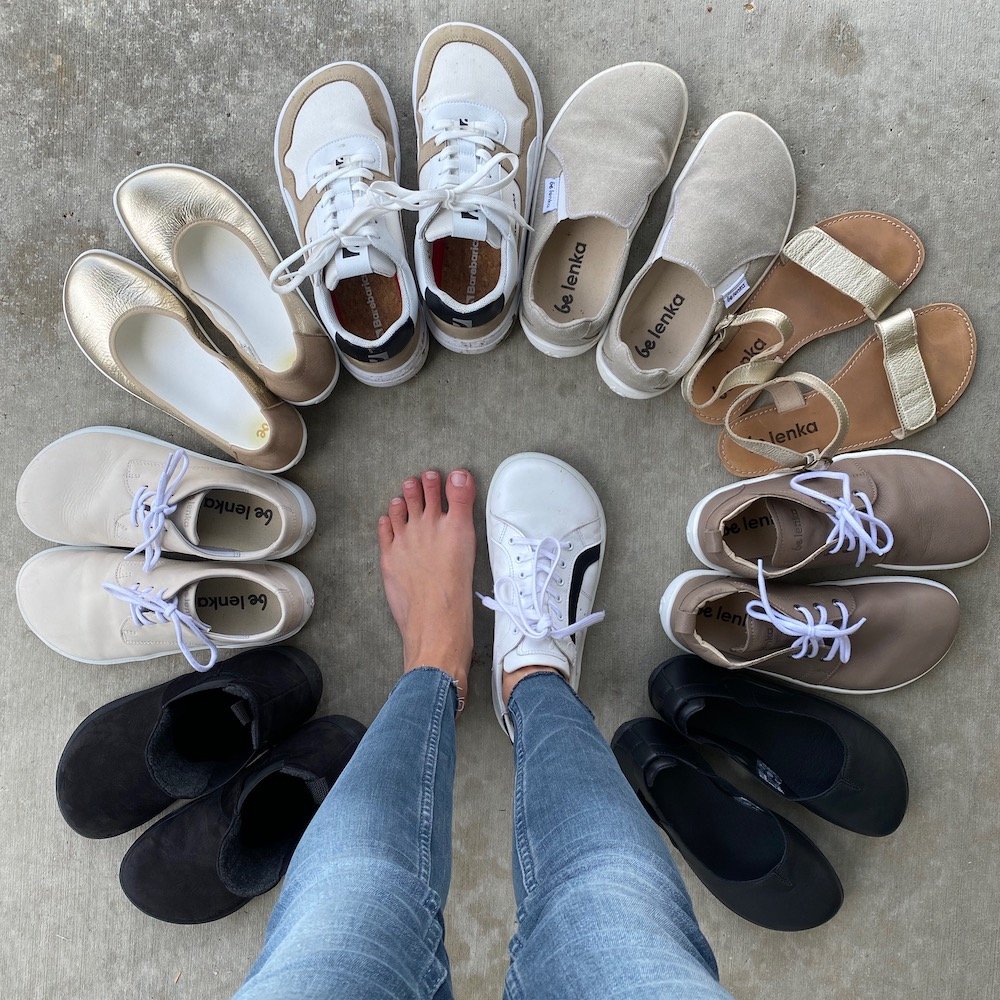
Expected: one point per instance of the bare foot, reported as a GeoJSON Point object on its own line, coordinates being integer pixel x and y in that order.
{"type": "Point", "coordinates": [427, 562]}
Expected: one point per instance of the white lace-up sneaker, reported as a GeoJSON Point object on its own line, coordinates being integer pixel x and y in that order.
{"type": "Point", "coordinates": [478, 114]}
{"type": "Point", "coordinates": [546, 532]}
{"type": "Point", "coordinates": [336, 137]}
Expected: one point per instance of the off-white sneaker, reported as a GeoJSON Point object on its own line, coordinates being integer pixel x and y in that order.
{"type": "Point", "coordinates": [546, 532]}
{"type": "Point", "coordinates": [100, 606]}
{"type": "Point", "coordinates": [336, 137]}
{"type": "Point", "coordinates": [117, 487]}
{"type": "Point", "coordinates": [478, 114]}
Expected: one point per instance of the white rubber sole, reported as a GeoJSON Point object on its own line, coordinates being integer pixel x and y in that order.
{"type": "Point", "coordinates": [306, 506]}
{"type": "Point", "coordinates": [581, 637]}
{"type": "Point", "coordinates": [537, 341]}
{"type": "Point", "coordinates": [486, 344]}
{"type": "Point", "coordinates": [221, 644]}
{"type": "Point", "coordinates": [695, 516]}
{"type": "Point", "coordinates": [670, 596]}
{"type": "Point", "coordinates": [398, 375]}
{"type": "Point", "coordinates": [692, 356]}
{"type": "Point", "coordinates": [197, 428]}
{"type": "Point", "coordinates": [217, 326]}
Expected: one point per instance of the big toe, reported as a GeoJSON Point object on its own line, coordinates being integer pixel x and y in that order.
{"type": "Point", "coordinates": [461, 492]}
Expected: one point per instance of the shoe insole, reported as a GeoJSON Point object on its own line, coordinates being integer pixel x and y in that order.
{"type": "Point", "coordinates": [665, 316]}
{"type": "Point", "coordinates": [732, 840]}
{"type": "Point", "coordinates": [237, 521]}
{"type": "Point", "coordinates": [814, 307]}
{"type": "Point", "coordinates": [204, 727]}
{"type": "Point", "coordinates": [368, 304]}
{"type": "Point", "coordinates": [579, 269]}
{"type": "Point", "coordinates": [801, 757]}
{"type": "Point", "coordinates": [750, 534]}
{"type": "Point", "coordinates": [723, 623]}
{"type": "Point", "coordinates": [234, 607]}
{"type": "Point", "coordinates": [229, 283]}
{"type": "Point", "coordinates": [158, 351]}
{"type": "Point", "coordinates": [947, 344]}
{"type": "Point", "coordinates": [465, 269]}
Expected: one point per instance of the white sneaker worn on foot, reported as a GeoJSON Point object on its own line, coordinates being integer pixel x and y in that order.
{"type": "Point", "coordinates": [547, 534]}
{"type": "Point", "coordinates": [336, 137]}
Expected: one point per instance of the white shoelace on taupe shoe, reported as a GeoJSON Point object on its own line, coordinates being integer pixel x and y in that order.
{"type": "Point", "coordinates": [812, 631]}
{"type": "Point", "coordinates": [356, 230]}
{"type": "Point", "coordinates": [152, 507]}
{"type": "Point", "coordinates": [528, 600]}
{"type": "Point", "coordinates": [853, 528]}
{"type": "Point", "coordinates": [150, 608]}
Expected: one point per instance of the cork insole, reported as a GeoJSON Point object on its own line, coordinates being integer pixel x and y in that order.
{"type": "Point", "coordinates": [237, 521]}
{"type": "Point", "coordinates": [368, 304]}
{"type": "Point", "coordinates": [465, 269]}
{"type": "Point", "coordinates": [723, 623]}
{"type": "Point", "coordinates": [750, 534]}
{"type": "Point", "coordinates": [947, 344]}
{"type": "Point", "coordinates": [814, 307]}
{"type": "Point", "coordinates": [579, 269]}
{"type": "Point", "coordinates": [665, 316]}
{"type": "Point", "coordinates": [233, 607]}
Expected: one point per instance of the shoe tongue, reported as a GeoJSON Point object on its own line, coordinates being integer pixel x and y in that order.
{"type": "Point", "coordinates": [465, 226]}
{"type": "Point", "coordinates": [763, 637]}
{"type": "Point", "coordinates": [185, 518]}
{"type": "Point", "coordinates": [356, 263]}
{"type": "Point", "coordinates": [799, 531]}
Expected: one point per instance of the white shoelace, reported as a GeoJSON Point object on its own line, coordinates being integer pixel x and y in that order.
{"type": "Point", "coordinates": [356, 231]}
{"type": "Point", "coordinates": [528, 601]}
{"type": "Point", "coordinates": [456, 193]}
{"type": "Point", "coordinates": [852, 528]}
{"type": "Point", "coordinates": [151, 608]}
{"type": "Point", "coordinates": [152, 507]}
{"type": "Point", "coordinates": [812, 631]}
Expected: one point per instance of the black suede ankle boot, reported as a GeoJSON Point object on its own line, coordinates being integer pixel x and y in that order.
{"type": "Point", "coordinates": [211, 856]}
{"type": "Point", "coordinates": [130, 759]}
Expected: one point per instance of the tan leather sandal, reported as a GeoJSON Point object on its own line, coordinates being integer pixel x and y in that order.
{"type": "Point", "coordinates": [906, 376]}
{"type": "Point", "coordinates": [829, 277]}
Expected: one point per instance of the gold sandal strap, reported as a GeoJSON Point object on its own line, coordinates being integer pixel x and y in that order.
{"type": "Point", "coordinates": [907, 374]}
{"type": "Point", "coordinates": [820, 254]}
{"type": "Point", "coordinates": [763, 366]}
{"type": "Point", "coordinates": [788, 396]}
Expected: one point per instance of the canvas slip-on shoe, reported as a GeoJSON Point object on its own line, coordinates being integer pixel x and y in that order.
{"type": "Point", "coordinates": [547, 535]}
{"type": "Point", "coordinates": [130, 759]}
{"type": "Point", "coordinates": [213, 855]}
{"type": "Point", "coordinates": [751, 859]}
{"type": "Point", "coordinates": [728, 218]}
{"type": "Point", "coordinates": [100, 605]}
{"type": "Point", "coordinates": [207, 242]}
{"type": "Point", "coordinates": [117, 487]}
{"type": "Point", "coordinates": [134, 329]}
{"type": "Point", "coordinates": [807, 749]}
{"type": "Point", "coordinates": [849, 636]}
{"type": "Point", "coordinates": [335, 138]}
{"type": "Point", "coordinates": [478, 115]}
{"type": "Point", "coordinates": [893, 509]}
{"type": "Point", "coordinates": [591, 196]}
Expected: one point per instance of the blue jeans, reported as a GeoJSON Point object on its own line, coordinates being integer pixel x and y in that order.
{"type": "Point", "coordinates": [602, 912]}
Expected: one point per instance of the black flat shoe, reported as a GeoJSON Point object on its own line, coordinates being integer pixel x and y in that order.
{"type": "Point", "coordinates": [754, 861]}
{"type": "Point", "coordinates": [809, 750]}
{"type": "Point", "coordinates": [212, 856]}
{"type": "Point", "coordinates": [128, 760]}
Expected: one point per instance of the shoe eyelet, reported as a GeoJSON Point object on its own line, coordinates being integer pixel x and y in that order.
{"type": "Point", "coordinates": [569, 546]}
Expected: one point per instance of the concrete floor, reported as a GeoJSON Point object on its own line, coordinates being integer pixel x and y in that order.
{"type": "Point", "coordinates": [888, 106]}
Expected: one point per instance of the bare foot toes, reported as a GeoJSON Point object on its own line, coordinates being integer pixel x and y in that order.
{"type": "Point", "coordinates": [427, 560]}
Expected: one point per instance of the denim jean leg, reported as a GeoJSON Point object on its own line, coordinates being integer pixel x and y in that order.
{"type": "Point", "coordinates": [602, 911]}
{"type": "Point", "coordinates": [360, 911]}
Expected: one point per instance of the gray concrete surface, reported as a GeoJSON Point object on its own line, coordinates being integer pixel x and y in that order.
{"type": "Point", "coordinates": [890, 106]}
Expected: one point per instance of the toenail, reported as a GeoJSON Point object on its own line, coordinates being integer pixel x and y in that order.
{"type": "Point", "coordinates": [431, 474]}
{"type": "Point", "coordinates": [396, 501]}
{"type": "Point", "coordinates": [459, 479]}
{"type": "Point", "coordinates": [410, 484]}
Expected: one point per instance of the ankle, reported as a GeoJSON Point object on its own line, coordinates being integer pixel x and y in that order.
{"type": "Point", "coordinates": [511, 680]}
